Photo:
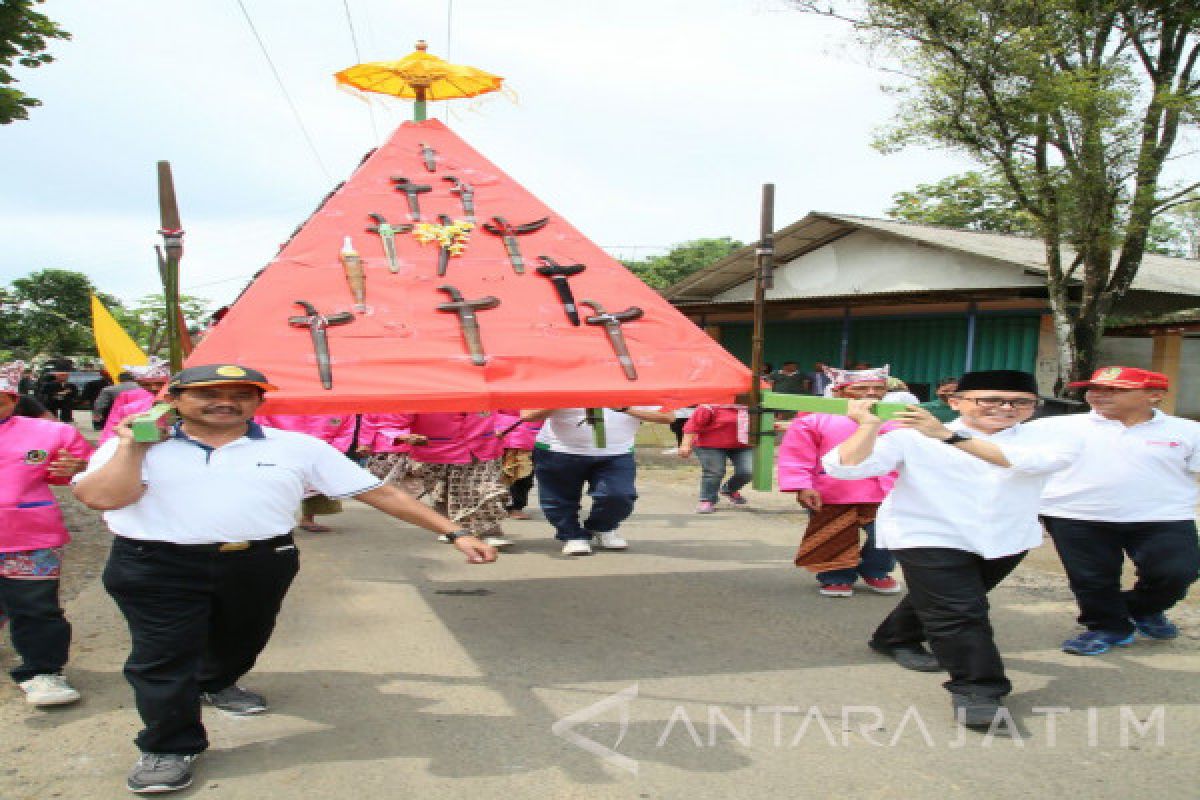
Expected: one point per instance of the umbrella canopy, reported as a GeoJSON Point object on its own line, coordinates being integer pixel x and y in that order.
{"type": "Point", "coordinates": [419, 76]}
{"type": "Point", "coordinates": [400, 353]}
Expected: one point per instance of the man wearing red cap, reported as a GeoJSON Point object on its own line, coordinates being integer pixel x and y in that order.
{"type": "Point", "coordinates": [1132, 492]}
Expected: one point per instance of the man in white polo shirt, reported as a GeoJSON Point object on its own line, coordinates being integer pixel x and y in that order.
{"type": "Point", "coordinates": [960, 518]}
{"type": "Point", "coordinates": [1132, 492]}
{"type": "Point", "coordinates": [566, 458]}
{"type": "Point", "coordinates": [203, 554]}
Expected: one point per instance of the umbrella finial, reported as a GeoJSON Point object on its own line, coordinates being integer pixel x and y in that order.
{"type": "Point", "coordinates": [422, 45]}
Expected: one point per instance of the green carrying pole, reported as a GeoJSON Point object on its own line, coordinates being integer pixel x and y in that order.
{"type": "Point", "coordinates": [595, 418]}
{"type": "Point", "coordinates": [825, 405]}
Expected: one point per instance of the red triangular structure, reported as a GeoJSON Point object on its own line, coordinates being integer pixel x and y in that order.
{"type": "Point", "coordinates": [404, 355]}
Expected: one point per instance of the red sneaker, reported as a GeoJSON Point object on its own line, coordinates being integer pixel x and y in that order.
{"type": "Point", "coordinates": [885, 585]}
{"type": "Point", "coordinates": [836, 590]}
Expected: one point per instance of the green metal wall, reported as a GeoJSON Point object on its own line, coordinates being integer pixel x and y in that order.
{"type": "Point", "coordinates": [920, 349]}
{"type": "Point", "coordinates": [803, 342]}
{"type": "Point", "coordinates": [1007, 342]}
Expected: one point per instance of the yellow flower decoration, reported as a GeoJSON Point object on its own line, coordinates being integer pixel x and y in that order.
{"type": "Point", "coordinates": [452, 238]}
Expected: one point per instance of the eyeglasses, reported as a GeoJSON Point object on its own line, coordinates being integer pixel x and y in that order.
{"type": "Point", "coordinates": [1000, 402]}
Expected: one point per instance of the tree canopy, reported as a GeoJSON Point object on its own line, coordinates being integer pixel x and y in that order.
{"type": "Point", "coordinates": [979, 202]}
{"type": "Point", "coordinates": [23, 39]}
{"type": "Point", "coordinates": [682, 260]}
{"type": "Point", "coordinates": [1077, 106]}
{"type": "Point", "coordinates": [49, 312]}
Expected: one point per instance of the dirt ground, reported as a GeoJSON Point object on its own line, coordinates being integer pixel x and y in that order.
{"type": "Point", "coordinates": [397, 670]}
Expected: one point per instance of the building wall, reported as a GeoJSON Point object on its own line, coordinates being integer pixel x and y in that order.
{"type": "Point", "coordinates": [866, 262]}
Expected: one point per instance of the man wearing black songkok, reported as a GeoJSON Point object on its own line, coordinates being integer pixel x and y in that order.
{"type": "Point", "coordinates": [960, 518]}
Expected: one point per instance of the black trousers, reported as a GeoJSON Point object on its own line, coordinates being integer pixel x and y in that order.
{"type": "Point", "coordinates": [947, 606]}
{"type": "Point", "coordinates": [198, 619]}
{"type": "Point", "coordinates": [40, 633]}
{"type": "Point", "coordinates": [518, 493]}
{"type": "Point", "coordinates": [1165, 554]}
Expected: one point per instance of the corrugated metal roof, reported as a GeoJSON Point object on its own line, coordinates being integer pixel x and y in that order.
{"type": "Point", "coordinates": [1157, 274]}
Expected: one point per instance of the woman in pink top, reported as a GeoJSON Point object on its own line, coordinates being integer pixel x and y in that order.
{"type": "Point", "coordinates": [455, 461]}
{"type": "Point", "coordinates": [35, 453]}
{"type": "Point", "coordinates": [717, 433]}
{"type": "Point", "coordinates": [150, 378]}
{"type": "Point", "coordinates": [830, 544]}
{"type": "Point", "coordinates": [379, 439]}
{"type": "Point", "coordinates": [334, 430]}
{"type": "Point", "coordinates": [517, 437]}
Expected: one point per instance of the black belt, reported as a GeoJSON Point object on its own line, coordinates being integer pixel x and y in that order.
{"type": "Point", "coordinates": [209, 547]}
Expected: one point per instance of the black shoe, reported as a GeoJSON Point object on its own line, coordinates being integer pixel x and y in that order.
{"type": "Point", "coordinates": [236, 700]}
{"type": "Point", "coordinates": [975, 711]}
{"type": "Point", "coordinates": [909, 656]}
{"type": "Point", "coordinates": [155, 773]}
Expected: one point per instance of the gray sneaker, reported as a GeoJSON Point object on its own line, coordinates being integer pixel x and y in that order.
{"type": "Point", "coordinates": [155, 773]}
{"type": "Point", "coordinates": [236, 700]}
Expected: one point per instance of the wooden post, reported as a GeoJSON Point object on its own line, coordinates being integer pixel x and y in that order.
{"type": "Point", "coordinates": [1165, 358]}
{"type": "Point", "coordinates": [762, 423]}
{"type": "Point", "coordinates": [172, 232]}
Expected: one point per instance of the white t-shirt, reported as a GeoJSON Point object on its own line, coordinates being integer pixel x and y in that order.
{"type": "Point", "coordinates": [567, 431]}
{"type": "Point", "coordinates": [944, 497]}
{"type": "Point", "coordinates": [1141, 473]}
{"type": "Point", "coordinates": [248, 489]}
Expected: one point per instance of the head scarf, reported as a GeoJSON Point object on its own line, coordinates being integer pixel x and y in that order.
{"type": "Point", "coordinates": [844, 377]}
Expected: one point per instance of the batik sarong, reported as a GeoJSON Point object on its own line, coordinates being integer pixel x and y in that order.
{"type": "Point", "coordinates": [831, 540]}
{"type": "Point", "coordinates": [471, 495]}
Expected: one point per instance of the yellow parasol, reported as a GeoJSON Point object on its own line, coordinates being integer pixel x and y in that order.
{"type": "Point", "coordinates": [419, 76]}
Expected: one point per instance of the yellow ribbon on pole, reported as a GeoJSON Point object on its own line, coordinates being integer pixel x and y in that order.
{"type": "Point", "coordinates": [113, 344]}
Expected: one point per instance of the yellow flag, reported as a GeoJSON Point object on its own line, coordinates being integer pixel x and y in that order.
{"type": "Point", "coordinates": [112, 342]}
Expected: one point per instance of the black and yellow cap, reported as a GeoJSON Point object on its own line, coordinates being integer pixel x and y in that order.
{"type": "Point", "coordinates": [217, 374]}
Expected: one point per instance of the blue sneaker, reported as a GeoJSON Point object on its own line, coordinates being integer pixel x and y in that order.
{"type": "Point", "coordinates": [1156, 626]}
{"type": "Point", "coordinates": [1093, 643]}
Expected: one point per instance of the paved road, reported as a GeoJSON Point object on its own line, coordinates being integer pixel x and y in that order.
{"type": "Point", "coordinates": [400, 671]}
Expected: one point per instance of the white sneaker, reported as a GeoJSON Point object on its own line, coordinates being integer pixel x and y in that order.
{"type": "Point", "coordinates": [577, 547]}
{"type": "Point", "coordinates": [497, 541]}
{"type": "Point", "coordinates": [611, 540]}
{"type": "Point", "coordinates": [49, 690]}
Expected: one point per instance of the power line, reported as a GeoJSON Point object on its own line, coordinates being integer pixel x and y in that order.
{"type": "Point", "coordinates": [279, 80]}
{"type": "Point", "coordinates": [358, 60]}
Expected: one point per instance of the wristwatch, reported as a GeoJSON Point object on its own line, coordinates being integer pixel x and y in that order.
{"type": "Point", "coordinates": [454, 536]}
{"type": "Point", "coordinates": [955, 438]}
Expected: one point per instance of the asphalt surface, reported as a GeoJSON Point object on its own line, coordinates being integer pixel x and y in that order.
{"type": "Point", "coordinates": [697, 664]}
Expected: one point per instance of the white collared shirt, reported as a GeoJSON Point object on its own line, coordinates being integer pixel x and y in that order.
{"type": "Point", "coordinates": [248, 489]}
{"type": "Point", "coordinates": [567, 431]}
{"type": "Point", "coordinates": [944, 497]}
{"type": "Point", "coordinates": [1139, 473]}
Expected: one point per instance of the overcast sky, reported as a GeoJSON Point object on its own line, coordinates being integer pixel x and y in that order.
{"type": "Point", "coordinates": [644, 122]}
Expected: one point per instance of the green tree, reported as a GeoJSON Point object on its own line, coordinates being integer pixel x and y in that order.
{"type": "Point", "coordinates": [54, 310]}
{"type": "Point", "coordinates": [659, 272]}
{"type": "Point", "coordinates": [1076, 104]}
{"type": "Point", "coordinates": [972, 201]}
{"type": "Point", "coordinates": [146, 321]}
{"type": "Point", "coordinates": [23, 39]}
{"type": "Point", "coordinates": [978, 202]}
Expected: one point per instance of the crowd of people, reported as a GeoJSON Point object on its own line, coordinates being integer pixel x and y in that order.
{"type": "Point", "coordinates": [954, 492]}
